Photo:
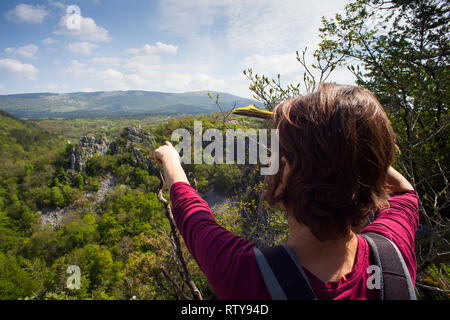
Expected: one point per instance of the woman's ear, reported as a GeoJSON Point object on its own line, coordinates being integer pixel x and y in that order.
{"type": "Point", "coordinates": [285, 168]}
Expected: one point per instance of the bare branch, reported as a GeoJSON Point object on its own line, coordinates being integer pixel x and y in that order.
{"type": "Point", "coordinates": [176, 239]}
{"type": "Point", "coordinates": [434, 289]}
{"type": "Point", "coordinates": [174, 283]}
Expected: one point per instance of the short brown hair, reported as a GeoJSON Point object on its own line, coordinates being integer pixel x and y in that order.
{"type": "Point", "coordinates": [339, 144]}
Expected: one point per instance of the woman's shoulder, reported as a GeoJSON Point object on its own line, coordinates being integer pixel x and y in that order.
{"type": "Point", "coordinates": [399, 223]}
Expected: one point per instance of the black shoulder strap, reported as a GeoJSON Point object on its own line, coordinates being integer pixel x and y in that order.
{"type": "Point", "coordinates": [396, 281]}
{"type": "Point", "coordinates": [286, 280]}
{"type": "Point", "coordinates": [283, 275]}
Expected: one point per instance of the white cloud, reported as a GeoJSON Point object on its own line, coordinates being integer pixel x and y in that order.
{"type": "Point", "coordinates": [17, 68]}
{"type": "Point", "coordinates": [89, 30]}
{"type": "Point", "coordinates": [272, 64]}
{"type": "Point", "coordinates": [179, 82]}
{"type": "Point", "coordinates": [28, 51]}
{"type": "Point", "coordinates": [290, 70]}
{"type": "Point", "coordinates": [190, 17]}
{"type": "Point", "coordinates": [262, 26]}
{"type": "Point", "coordinates": [76, 68]}
{"type": "Point", "coordinates": [27, 13]}
{"type": "Point", "coordinates": [149, 49]}
{"type": "Point", "coordinates": [49, 41]}
{"type": "Point", "coordinates": [138, 81]}
{"type": "Point", "coordinates": [82, 47]}
{"type": "Point", "coordinates": [238, 85]}
{"type": "Point", "coordinates": [146, 61]}
{"type": "Point", "coordinates": [224, 35]}
{"type": "Point", "coordinates": [112, 79]}
{"type": "Point", "coordinates": [110, 74]}
{"type": "Point", "coordinates": [106, 60]}
{"type": "Point", "coordinates": [342, 75]}
{"type": "Point", "coordinates": [273, 25]}
{"type": "Point", "coordinates": [144, 65]}
{"type": "Point", "coordinates": [144, 69]}
{"type": "Point", "coordinates": [52, 87]}
{"type": "Point", "coordinates": [57, 4]}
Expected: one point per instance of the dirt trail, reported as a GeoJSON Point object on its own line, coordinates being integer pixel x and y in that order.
{"type": "Point", "coordinates": [54, 216]}
{"type": "Point", "coordinates": [215, 201]}
{"type": "Point", "coordinates": [106, 184]}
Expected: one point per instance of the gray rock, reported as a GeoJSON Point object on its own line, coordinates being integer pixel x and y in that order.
{"type": "Point", "coordinates": [86, 148]}
{"type": "Point", "coordinates": [138, 135]}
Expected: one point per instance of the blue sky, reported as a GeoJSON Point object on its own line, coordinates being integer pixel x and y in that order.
{"type": "Point", "coordinates": [170, 45]}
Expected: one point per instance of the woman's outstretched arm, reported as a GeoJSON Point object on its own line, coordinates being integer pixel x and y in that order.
{"type": "Point", "coordinates": [168, 156]}
{"type": "Point", "coordinates": [226, 259]}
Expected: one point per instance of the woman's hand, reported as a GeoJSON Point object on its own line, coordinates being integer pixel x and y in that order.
{"type": "Point", "coordinates": [168, 156]}
{"type": "Point", "coordinates": [396, 183]}
{"type": "Point", "coordinates": [167, 153]}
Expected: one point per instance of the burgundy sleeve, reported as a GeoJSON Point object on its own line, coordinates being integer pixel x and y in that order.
{"type": "Point", "coordinates": [226, 260]}
{"type": "Point", "coordinates": [399, 223]}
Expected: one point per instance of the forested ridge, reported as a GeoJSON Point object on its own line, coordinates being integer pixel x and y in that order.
{"type": "Point", "coordinates": [112, 104]}
{"type": "Point", "coordinates": [122, 242]}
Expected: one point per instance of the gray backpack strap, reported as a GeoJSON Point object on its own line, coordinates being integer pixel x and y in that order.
{"type": "Point", "coordinates": [396, 283]}
{"type": "Point", "coordinates": [274, 288]}
{"type": "Point", "coordinates": [282, 274]}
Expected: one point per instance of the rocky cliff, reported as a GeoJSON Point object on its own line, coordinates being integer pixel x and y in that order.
{"type": "Point", "coordinates": [139, 144]}
{"type": "Point", "coordinates": [86, 148]}
{"type": "Point", "coordinates": [134, 140]}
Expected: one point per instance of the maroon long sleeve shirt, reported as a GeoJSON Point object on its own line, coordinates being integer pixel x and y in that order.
{"type": "Point", "coordinates": [228, 262]}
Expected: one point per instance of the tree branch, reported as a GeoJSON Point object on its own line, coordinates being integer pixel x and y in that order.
{"type": "Point", "coordinates": [176, 238]}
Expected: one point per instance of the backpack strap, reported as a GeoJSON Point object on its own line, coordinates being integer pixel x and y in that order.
{"type": "Point", "coordinates": [286, 280]}
{"type": "Point", "coordinates": [282, 274]}
{"type": "Point", "coordinates": [396, 281]}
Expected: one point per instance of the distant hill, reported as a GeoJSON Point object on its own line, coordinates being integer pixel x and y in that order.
{"type": "Point", "coordinates": [20, 141]}
{"type": "Point", "coordinates": [114, 104]}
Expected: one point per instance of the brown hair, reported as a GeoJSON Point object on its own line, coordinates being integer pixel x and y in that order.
{"type": "Point", "coordinates": [339, 144]}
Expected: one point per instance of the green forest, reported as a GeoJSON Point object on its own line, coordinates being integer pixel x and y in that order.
{"type": "Point", "coordinates": [88, 192]}
{"type": "Point", "coordinates": [122, 243]}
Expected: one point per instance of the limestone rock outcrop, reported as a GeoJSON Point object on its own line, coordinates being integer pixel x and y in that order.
{"type": "Point", "coordinates": [86, 148]}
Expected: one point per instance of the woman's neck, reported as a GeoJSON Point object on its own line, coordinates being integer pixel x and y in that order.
{"type": "Point", "coordinates": [327, 260]}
